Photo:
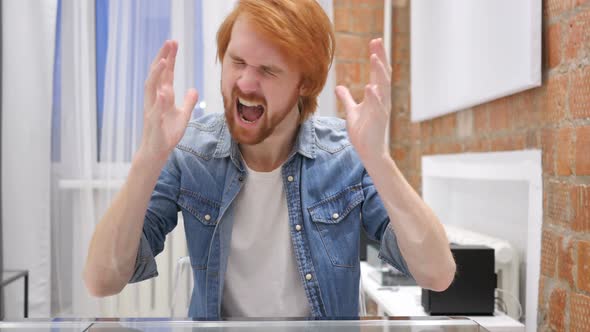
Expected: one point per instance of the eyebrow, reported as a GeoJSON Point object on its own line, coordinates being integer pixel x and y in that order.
{"type": "Point", "coordinates": [271, 68]}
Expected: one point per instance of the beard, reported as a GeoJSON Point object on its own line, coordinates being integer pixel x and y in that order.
{"type": "Point", "coordinates": [263, 126]}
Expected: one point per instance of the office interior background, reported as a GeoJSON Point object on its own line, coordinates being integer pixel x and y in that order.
{"type": "Point", "coordinates": [71, 119]}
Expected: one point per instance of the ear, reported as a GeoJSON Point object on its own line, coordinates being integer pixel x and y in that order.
{"type": "Point", "coordinates": [303, 89]}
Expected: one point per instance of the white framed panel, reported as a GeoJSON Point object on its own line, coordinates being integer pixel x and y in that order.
{"type": "Point", "coordinates": [468, 52]}
{"type": "Point", "coordinates": [499, 194]}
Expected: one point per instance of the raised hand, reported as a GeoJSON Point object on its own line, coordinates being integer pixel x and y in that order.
{"type": "Point", "coordinates": [163, 122]}
{"type": "Point", "coordinates": [367, 122]}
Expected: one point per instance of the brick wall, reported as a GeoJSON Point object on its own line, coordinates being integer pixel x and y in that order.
{"type": "Point", "coordinates": [554, 118]}
{"type": "Point", "coordinates": [356, 22]}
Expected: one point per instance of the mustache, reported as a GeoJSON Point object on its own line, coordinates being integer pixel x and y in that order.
{"type": "Point", "coordinates": [237, 93]}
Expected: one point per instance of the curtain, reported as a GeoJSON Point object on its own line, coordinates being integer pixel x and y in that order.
{"type": "Point", "coordinates": [136, 31]}
{"type": "Point", "coordinates": [28, 31]}
{"type": "Point", "coordinates": [74, 155]}
{"type": "Point", "coordinates": [104, 52]}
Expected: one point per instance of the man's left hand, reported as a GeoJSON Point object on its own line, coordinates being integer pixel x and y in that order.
{"type": "Point", "coordinates": [367, 121]}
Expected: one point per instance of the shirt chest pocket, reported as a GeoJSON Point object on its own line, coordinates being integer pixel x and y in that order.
{"type": "Point", "coordinates": [337, 220]}
{"type": "Point", "coordinates": [200, 217]}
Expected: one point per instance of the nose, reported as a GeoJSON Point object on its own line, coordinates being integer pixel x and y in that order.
{"type": "Point", "coordinates": [248, 80]}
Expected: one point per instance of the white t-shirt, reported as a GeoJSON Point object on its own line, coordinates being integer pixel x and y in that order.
{"type": "Point", "coordinates": [262, 278]}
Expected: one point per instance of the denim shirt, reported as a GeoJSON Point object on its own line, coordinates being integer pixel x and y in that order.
{"type": "Point", "coordinates": [330, 198]}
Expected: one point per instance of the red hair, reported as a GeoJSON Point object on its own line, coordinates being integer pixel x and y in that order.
{"type": "Point", "coordinates": [302, 32]}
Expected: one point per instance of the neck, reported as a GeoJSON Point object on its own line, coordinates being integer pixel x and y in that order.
{"type": "Point", "coordinates": [274, 150]}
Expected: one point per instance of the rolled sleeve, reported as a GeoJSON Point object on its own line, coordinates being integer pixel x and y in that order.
{"type": "Point", "coordinates": [376, 224]}
{"type": "Point", "coordinates": [390, 253]}
{"type": "Point", "coordinates": [145, 263]}
{"type": "Point", "coordinates": [160, 219]}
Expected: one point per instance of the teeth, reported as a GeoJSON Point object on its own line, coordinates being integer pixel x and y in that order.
{"type": "Point", "coordinates": [248, 103]}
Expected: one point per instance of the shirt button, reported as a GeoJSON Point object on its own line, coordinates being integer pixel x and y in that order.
{"type": "Point", "coordinates": [308, 277]}
{"type": "Point", "coordinates": [290, 178]}
{"type": "Point", "coordinates": [298, 227]}
{"type": "Point", "coordinates": [207, 217]}
{"type": "Point", "coordinates": [335, 216]}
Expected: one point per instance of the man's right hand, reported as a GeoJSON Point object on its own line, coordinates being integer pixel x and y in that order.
{"type": "Point", "coordinates": [164, 123]}
{"type": "Point", "coordinates": [114, 247]}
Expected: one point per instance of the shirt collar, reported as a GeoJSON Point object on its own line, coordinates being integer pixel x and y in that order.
{"type": "Point", "coordinates": [304, 143]}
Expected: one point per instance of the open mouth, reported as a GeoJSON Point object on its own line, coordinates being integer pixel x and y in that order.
{"type": "Point", "coordinates": [249, 111]}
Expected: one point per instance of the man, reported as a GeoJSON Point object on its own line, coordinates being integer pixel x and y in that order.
{"type": "Point", "coordinates": [273, 199]}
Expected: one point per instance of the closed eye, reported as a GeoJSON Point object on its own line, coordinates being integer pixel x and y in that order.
{"type": "Point", "coordinates": [264, 69]}
{"type": "Point", "coordinates": [236, 60]}
{"type": "Point", "coordinates": [268, 71]}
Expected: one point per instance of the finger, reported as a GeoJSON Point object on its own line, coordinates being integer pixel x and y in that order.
{"type": "Point", "coordinates": [345, 97]}
{"type": "Point", "coordinates": [163, 100]}
{"type": "Point", "coordinates": [167, 94]}
{"type": "Point", "coordinates": [190, 100]}
{"type": "Point", "coordinates": [372, 71]}
{"type": "Point", "coordinates": [162, 54]}
{"type": "Point", "coordinates": [372, 98]}
{"type": "Point", "coordinates": [171, 62]}
{"type": "Point", "coordinates": [153, 81]}
{"type": "Point", "coordinates": [376, 47]}
{"type": "Point", "coordinates": [381, 77]}
{"type": "Point", "coordinates": [159, 101]}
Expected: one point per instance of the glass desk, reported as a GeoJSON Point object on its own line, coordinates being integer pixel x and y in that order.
{"type": "Point", "coordinates": [34, 325]}
{"type": "Point", "coordinates": [366, 324]}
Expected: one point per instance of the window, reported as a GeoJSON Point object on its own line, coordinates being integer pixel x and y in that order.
{"type": "Point", "coordinates": [128, 35]}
